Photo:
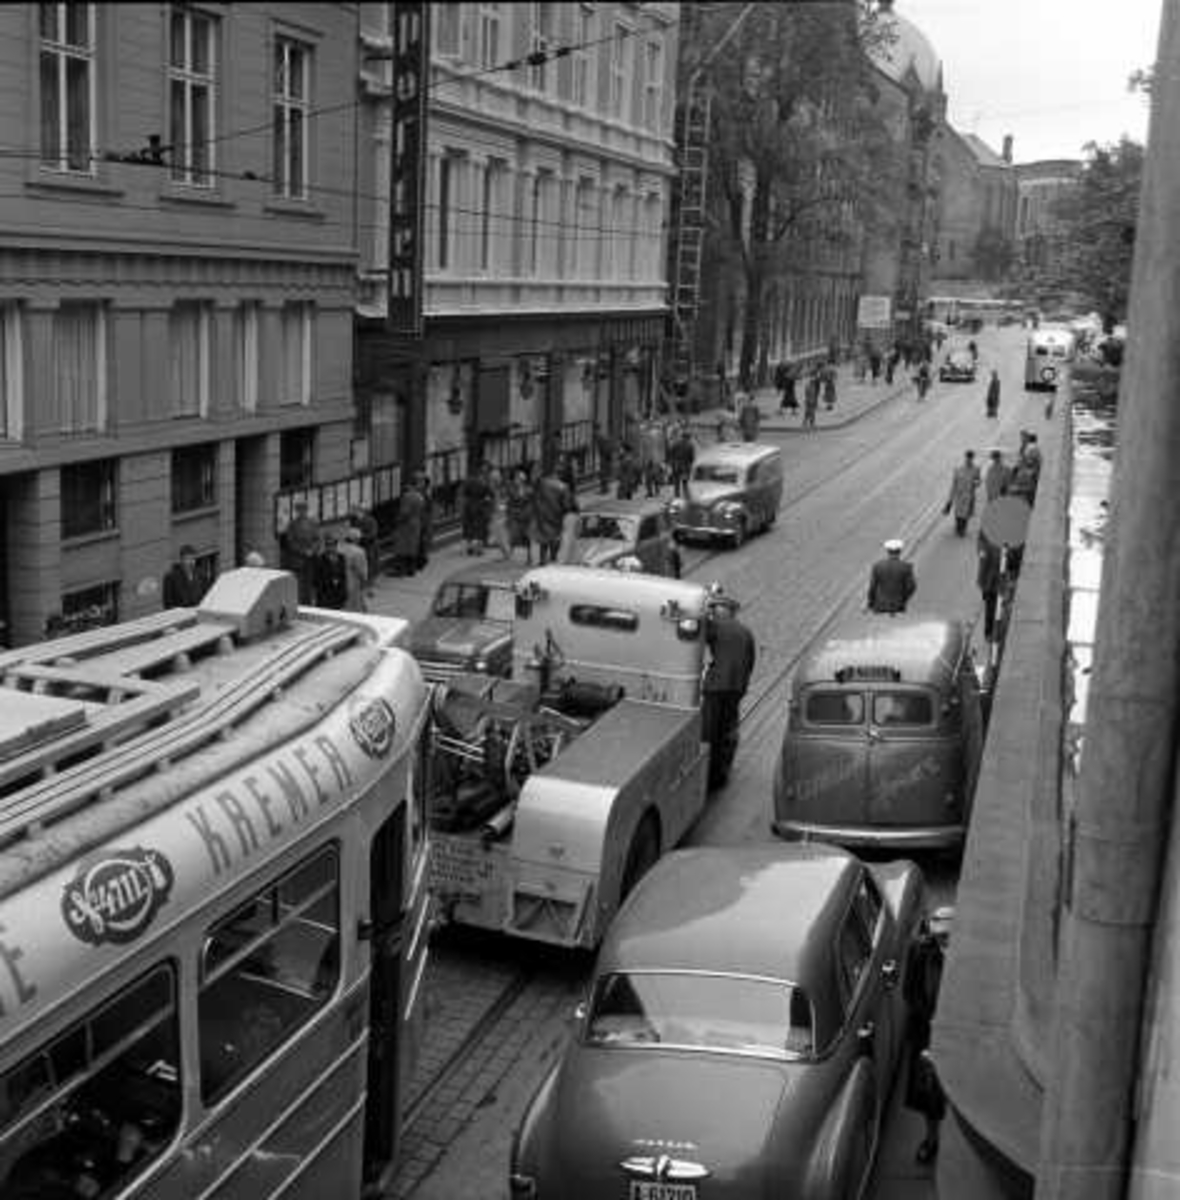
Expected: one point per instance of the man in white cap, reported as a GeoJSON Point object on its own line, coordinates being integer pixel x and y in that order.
{"type": "Point", "coordinates": [892, 582]}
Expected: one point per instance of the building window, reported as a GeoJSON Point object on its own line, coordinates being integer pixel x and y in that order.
{"type": "Point", "coordinates": [543, 20]}
{"type": "Point", "coordinates": [580, 92]}
{"type": "Point", "coordinates": [653, 84]}
{"type": "Point", "coordinates": [194, 477]}
{"type": "Point", "coordinates": [653, 239]}
{"type": "Point", "coordinates": [295, 382]}
{"type": "Point", "coordinates": [67, 86]}
{"type": "Point", "coordinates": [495, 176]}
{"type": "Point", "coordinates": [88, 493]}
{"type": "Point", "coordinates": [448, 203]}
{"type": "Point", "coordinates": [191, 77]}
{"type": "Point", "coordinates": [188, 341]}
{"type": "Point", "coordinates": [620, 72]}
{"type": "Point", "coordinates": [79, 367]}
{"type": "Point", "coordinates": [542, 226]}
{"type": "Point", "coordinates": [489, 35]}
{"type": "Point", "coordinates": [11, 373]}
{"type": "Point", "coordinates": [292, 92]}
{"type": "Point", "coordinates": [448, 20]}
{"type": "Point", "coordinates": [296, 458]}
{"type": "Point", "coordinates": [248, 358]}
{"type": "Point", "coordinates": [585, 234]}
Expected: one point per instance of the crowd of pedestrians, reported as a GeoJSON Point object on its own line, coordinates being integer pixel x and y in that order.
{"type": "Point", "coordinates": [334, 567]}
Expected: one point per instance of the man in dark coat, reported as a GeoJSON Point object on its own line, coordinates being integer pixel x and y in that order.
{"type": "Point", "coordinates": [989, 577]}
{"type": "Point", "coordinates": [551, 501]}
{"type": "Point", "coordinates": [993, 395]}
{"type": "Point", "coordinates": [302, 543]}
{"type": "Point", "coordinates": [604, 445]}
{"type": "Point", "coordinates": [407, 531]}
{"type": "Point", "coordinates": [681, 454]}
{"type": "Point", "coordinates": [331, 576]}
{"type": "Point", "coordinates": [891, 583]}
{"type": "Point", "coordinates": [476, 510]}
{"type": "Point", "coordinates": [182, 587]}
{"type": "Point", "coordinates": [731, 663]}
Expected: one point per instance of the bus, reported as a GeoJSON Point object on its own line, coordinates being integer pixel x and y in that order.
{"type": "Point", "coordinates": [213, 882]}
{"type": "Point", "coordinates": [1048, 351]}
{"type": "Point", "coordinates": [973, 310]}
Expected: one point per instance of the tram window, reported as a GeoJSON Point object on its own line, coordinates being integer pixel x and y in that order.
{"type": "Point", "coordinates": [267, 969]}
{"type": "Point", "coordinates": [85, 1114]}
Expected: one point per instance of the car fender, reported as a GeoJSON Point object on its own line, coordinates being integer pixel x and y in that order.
{"type": "Point", "coordinates": [846, 1142]}
{"type": "Point", "coordinates": [903, 888]}
{"type": "Point", "coordinates": [527, 1155]}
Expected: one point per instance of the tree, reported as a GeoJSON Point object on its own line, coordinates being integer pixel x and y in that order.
{"type": "Point", "coordinates": [1097, 227]}
{"type": "Point", "coordinates": [798, 151]}
{"type": "Point", "coordinates": [993, 254]}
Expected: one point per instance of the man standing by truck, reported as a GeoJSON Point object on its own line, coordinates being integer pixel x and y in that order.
{"type": "Point", "coordinates": [732, 653]}
{"type": "Point", "coordinates": [891, 581]}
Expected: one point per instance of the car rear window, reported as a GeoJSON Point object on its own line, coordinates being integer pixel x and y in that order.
{"type": "Point", "coordinates": [735, 1014]}
{"type": "Point", "coordinates": [714, 473]}
{"type": "Point", "coordinates": [833, 707]}
{"type": "Point", "coordinates": [902, 708]}
{"type": "Point", "coordinates": [601, 525]}
{"type": "Point", "coordinates": [461, 600]}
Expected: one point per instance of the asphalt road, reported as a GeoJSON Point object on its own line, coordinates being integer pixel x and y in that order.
{"type": "Point", "coordinates": [499, 1013]}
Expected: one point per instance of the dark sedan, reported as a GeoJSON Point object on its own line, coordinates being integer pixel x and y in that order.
{"type": "Point", "coordinates": [742, 1032]}
{"type": "Point", "coordinates": [958, 367]}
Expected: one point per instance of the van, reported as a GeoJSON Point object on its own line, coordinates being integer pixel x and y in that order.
{"type": "Point", "coordinates": [734, 491]}
{"type": "Point", "coordinates": [884, 736]}
{"type": "Point", "coordinates": [1046, 356]}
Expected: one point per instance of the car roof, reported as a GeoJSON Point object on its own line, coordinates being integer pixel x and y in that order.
{"type": "Point", "coordinates": [760, 910]}
{"type": "Point", "coordinates": [923, 649]}
{"type": "Point", "coordinates": [501, 572]}
{"type": "Point", "coordinates": [736, 452]}
{"type": "Point", "coordinates": [637, 506]}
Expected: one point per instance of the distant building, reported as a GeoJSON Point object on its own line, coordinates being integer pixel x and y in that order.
{"type": "Point", "coordinates": [178, 263]}
{"type": "Point", "coordinates": [546, 191]}
{"type": "Point", "coordinates": [1040, 241]}
{"type": "Point", "coordinates": [977, 221]}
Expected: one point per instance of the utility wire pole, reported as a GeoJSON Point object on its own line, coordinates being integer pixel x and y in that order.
{"type": "Point", "coordinates": [1114, 844]}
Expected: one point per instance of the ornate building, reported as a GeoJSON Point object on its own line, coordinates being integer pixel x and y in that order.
{"type": "Point", "coordinates": [977, 224]}
{"type": "Point", "coordinates": [546, 188]}
{"type": "Point", "coordinates": [1040, 245]}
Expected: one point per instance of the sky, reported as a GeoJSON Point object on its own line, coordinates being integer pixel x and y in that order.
{"type": "Point", "coordinates": [1053, 73]}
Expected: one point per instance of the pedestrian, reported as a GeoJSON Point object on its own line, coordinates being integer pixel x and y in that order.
{"type": "Point", "coordinates": [475, 509]}
{"type": "Point", "coordinates": [519, 514]}
{"type": "Point", "coordinates": [552, 501]}
{"type": "Point", "coordinates": [302, 543]}
{"type": "Point", "coordinates": [731, 663]}
{"type": "Point", "coordinates": [811, 399]}
{"type": "Point", "coordinates": [564, 470]}
{"type": "Point", "coordinates": [651, 457]}
{"type": "Point", "coordinates": [362, 519]}
{"type": "Point", "coordinates": [630, 473]}
{"type": "Point", "coordinates": [407, 531]}
{"type": "Point", "coordinates": [891, 362]}
{"type": "Point", "coordinates": [973, 350]}
{"type": "Point", "coordinates": [891, 581]}
{"type": "Point", "coordinates": [681, 455]}
{"type": "Point", "coordinates": [1026, 472]}
{"type": "Point", "coordinates": [426, 539]}
{"type": "Point", "coordinates": [829, 380]}
{"type": "Point", "coordinates": [356, 570]}
{"type": "Point", "coordinates": [993, 395]}
{"type": "Point", "coordinates": [922, 379]}
{"type": "Point", "coordinates": [723, 393]}
{"type": "Point", "coordinates": [961, 499]}
{"type": "Point", "coordinates": [498, 525]}
{"type": "Point", "coordinates": [606, 448]}
{"type": "Point", "coordinates": [875, 364]}
{"type": "Point", "coordinates": [749, 420]}
{"type": "Point", "coordinates": [860, 364]}
{"type": "Point", "coordinates": [786, 383]}
{"type": "Point", "coordinates": [995, 478]}
{"type": "Point", "coordinates": [182, 585]}
{"type": "Point", "coordinates": [331, 576]}
{"type": "Point", "coordinates": [989, 577]}
{"type": "Point", "coordinates": [924, 1093]}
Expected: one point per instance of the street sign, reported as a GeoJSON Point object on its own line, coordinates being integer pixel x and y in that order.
{"type": "Point", "coordinates": [873, 312]}
{"type": "Point", "coordinates": [407, 168]}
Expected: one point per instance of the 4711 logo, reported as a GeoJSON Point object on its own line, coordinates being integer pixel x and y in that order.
{"type": "Point", "coordinates": [115, 898]}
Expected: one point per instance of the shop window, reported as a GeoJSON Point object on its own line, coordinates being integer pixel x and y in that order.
{"type": "Point", "coordinates": [296, 456]}
{"type": "Point", "coordinates": [88, 492]}
{"type": "Point", "coordinates": [88, 1111]}
{"type": "Point", "coordinates": [85, 608]}
{"type": "Point", "coordinates": [266, 970]}
{"type": "Point", "coordinates": [194, 477]}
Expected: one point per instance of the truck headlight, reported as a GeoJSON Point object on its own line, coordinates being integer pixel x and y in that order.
{"type": "Point", "coordinates": [728, 511]}
{"type": "Point", "coordinates": [480, 664]}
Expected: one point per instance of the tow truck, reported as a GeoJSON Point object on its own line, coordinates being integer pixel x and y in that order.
{"type": "Point", "coordinates": [555, 790]}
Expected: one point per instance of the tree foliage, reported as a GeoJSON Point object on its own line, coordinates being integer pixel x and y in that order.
{"type": "Point", "coordinates": [1097, 220]}
{"type": "Point", "coordinates": [799, 151]}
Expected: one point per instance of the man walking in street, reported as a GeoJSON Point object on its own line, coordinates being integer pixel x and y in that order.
{"type": "Point", "coordinates": [993, 395]}
{"type": "Point", "coordinates": [961, 501]}
{"type": "Point", "coordinates": [681, 455]}
{"type": "Point", "coordinates": [551, 501]}
{"type": "Point", "coordinates": [995, 479]}
{"type": "Point", "coordinates": [891, 581]}
{"type": "Point", "coordinates": [302, 543]}
{"type": "Point", "coordinates": [731, 663]}
{"type": "Point", "coordinates": [989, 578]}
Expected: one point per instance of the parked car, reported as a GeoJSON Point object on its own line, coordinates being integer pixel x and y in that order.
{"type": "Point", "coordinates": [958, 366]}
{"type": "Point", "coordinates": [741, 1036]}
{"type": "Point", "coordinates": [470, 623]}
{"type": "Point", "coordinates": [884, 736]}
{"type": "Point", "coordinates": [734, 491]}
{"type": "Point", "coordinates": [607, 531]}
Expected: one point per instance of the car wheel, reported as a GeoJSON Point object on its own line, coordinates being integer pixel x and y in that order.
{"type": "Point", "coordinates": [739, 534]}
{"type": "Point", "coordinates": [641, 854]}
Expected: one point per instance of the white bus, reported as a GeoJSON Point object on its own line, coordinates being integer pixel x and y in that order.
{"type": "Point", "coordinates": [1049, 350]}
{"type": "Point", "coordinates": [213, 870]}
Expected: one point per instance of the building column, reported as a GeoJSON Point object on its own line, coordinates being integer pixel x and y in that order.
{"type": "Point", "coordinates": [32, 527]}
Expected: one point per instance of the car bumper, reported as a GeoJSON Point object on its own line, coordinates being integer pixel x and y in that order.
{"type": "Point", "coordinates": [696, 530]}
{"type": "Point", "coordinates": [909, 837]}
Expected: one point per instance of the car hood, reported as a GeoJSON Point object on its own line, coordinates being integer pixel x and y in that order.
{"type": "Point", "coordinates": [708, 493]}
{"type": "Point", "coordinates": [457, 638]}
{"type": "Point", "coordinates": [616, 1105]}
{"type": "Point", "coordinates": [590, 552]}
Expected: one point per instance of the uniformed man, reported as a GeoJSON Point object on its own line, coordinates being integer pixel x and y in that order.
{"type": "Point", "coordinates": [731, 663]}
{"type": "Point", "coordinates": [892, 582]}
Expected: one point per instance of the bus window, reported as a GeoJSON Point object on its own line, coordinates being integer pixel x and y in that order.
{"type": "Point", "coordinates": [268, 967]}
{"type": "Point", "coordinates": [86, 1113]}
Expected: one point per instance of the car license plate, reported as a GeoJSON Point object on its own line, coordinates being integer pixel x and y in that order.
{"type": "Point", "coordinates": [657, 1189]}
